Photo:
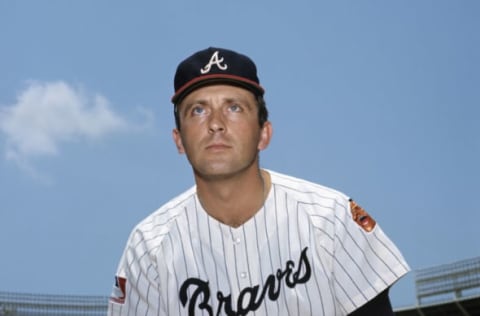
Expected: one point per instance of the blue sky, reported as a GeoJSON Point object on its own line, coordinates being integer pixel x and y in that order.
{"type": "Point", "coordinates": [377, 99]}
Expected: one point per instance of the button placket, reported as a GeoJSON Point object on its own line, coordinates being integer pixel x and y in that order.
{"type": "Point", "coordinates": [242, 263]}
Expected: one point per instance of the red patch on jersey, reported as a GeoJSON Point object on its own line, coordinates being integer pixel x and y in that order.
{"type": "Point", "coordinates": [118, 294]}
{"type": "Point", "coordinates": [361, 217]}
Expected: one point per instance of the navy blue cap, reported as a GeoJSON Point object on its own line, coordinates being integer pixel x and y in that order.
{"type": "Point", "coordinates": [215, 66]}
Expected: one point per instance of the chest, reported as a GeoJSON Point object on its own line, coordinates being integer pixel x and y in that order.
{"type": "Point", "coordinates": [269, 266]}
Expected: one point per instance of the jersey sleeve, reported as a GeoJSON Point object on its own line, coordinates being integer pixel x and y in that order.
{"type": "Point", "coordinates": [366, 262]}
{"type": "Point", "coordinates": [136, 291]}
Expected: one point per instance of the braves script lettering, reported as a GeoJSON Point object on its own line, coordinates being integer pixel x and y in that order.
{"type": "Point", "coordinates": [250, 298]}
{"type": "Point", "coordinates": [214, 60]}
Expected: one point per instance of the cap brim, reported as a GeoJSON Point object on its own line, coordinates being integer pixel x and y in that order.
{"type": "Point", "coordinates": [199, 82]}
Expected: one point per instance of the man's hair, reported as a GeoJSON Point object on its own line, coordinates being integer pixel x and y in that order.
{"type": "Point", "coordinates": [261, 105]}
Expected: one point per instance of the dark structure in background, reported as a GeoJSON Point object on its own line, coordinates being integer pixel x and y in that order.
{"type": "Point", "coordinates": [449, 289]}
{"type": "Point", "coordinates": [21, 304]}
{"type": "Point", "coordinates": [445, 290]}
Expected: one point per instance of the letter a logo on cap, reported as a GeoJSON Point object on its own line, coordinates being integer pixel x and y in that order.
{"type": "Point", "coordinates": [214, 60]}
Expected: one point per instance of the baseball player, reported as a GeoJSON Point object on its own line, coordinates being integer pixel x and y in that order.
{"type": "Point", "coordinates": [246, 240]}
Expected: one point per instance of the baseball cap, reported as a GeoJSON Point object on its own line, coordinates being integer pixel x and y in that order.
{"type": "Point", "coordinates": [214, 66]}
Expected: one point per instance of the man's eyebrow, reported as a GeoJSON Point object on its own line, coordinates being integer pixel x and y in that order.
{"type": "Point", "coordinates": [238, 99]}
{"type": "Point", "coordinates": [190, 104]}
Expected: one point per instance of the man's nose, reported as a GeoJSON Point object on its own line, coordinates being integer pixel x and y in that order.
{"type": "Point", "coordinates": [216, 122]}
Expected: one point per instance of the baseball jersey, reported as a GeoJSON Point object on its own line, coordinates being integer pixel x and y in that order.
{"type": "Point", "coordinates": [308, 251]}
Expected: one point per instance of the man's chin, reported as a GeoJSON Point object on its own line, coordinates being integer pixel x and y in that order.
{"type": "Point", "coordinates": [218, 172]}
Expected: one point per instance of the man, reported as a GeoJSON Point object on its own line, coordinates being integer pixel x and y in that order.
{"type": "Point", "coordinates": [245, 240]}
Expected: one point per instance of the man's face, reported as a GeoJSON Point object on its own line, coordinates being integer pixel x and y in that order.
{"type": "Point", "coordinates": [219, 132]}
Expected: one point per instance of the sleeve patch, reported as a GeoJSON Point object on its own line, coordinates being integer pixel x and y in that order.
{"type": "Point", "coordinates": [361, 217]}
{"type": "Point", "coordinates": [118, 293]}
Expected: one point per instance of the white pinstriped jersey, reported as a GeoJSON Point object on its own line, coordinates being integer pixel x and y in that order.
{"type": "Point", "coordinates": [301, 254]}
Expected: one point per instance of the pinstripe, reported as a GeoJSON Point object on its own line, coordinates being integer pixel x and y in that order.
{"type": "Point", "coordinates": [343, 305]}
{"type": "Point", "coordinates": [198, 229]}
{"type": "Point", "coordinates": [190, 241]}
{"type": "Point", "coordinates": [348, 274]}
{"type": "Point", "coordinates": [349, 254]}
{"type": "Point", "coordinates": [217, 280]}
{"type": "Point", "coordinates": [245, 245]}
{"type": "Point", "coordinates": [383, 261]}
{"type": "Point", "coordinates": [301, 247]}
{"type": "Point", "coordinates": [277, 230]}
{"type": "Point", "coordinates": [270, 250]}
{"type": "Point", "coordinates": [289, 241]}
{"type": "Point", "coordinates": [311, 236]}
{"type": "Point", "coordinates": [392, 253]}
{"type": "Point", "coordinates": [173, 266]}
{"type": "Point", "coordinates": [167, 296]}
{"type": "Point", "coordinates": [230, 282]}
{"type": "Point", "coordinates": [148, 292]}
{"type": "Point", "coordinates": [182, 247]}
{"type": "Point", "coordinates": [352, 239]}
{"type": "Point", "coordinates": [325, 234]}
{"type": "Point", "coordinates": [262, 273]}
{"type": "Point", "coordinates": [167, 280]}
{"type": "Point", "coordinates": [340, 283]}
{"type": "Point", "coordinates": [235, 259]}
{"type": "Point", "coordinates": [379, 257]}
{"type": "Point", "coordinates": [279, 243]}
{"type": "Point", "coordinates": [138, 278]}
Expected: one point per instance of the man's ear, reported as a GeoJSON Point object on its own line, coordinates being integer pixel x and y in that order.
{"type": "Point", "coordinates": [177, 138]}
{"type": "Point", "coordinates": [265, 135]}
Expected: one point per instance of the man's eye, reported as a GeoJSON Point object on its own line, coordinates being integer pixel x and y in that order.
{"type": "Point", "coordinates": [235, 108]}
{"type": "Point", "coordinates": [198, 110]}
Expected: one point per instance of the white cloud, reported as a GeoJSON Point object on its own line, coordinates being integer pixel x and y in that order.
{"type": "Point", "coordinates": [48, 114]}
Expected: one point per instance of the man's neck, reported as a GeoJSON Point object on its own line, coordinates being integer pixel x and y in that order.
{"type": "Point", "coordinates": [234, 200]}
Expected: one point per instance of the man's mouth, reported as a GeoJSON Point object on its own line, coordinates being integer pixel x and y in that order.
{"type": "Point", "coordinates": [217, 146]}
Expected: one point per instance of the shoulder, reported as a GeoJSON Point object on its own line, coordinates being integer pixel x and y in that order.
{"type": "Point", "coordinates": [307, 191]}
{"type": "Point", "coordinates": [158, 224]}
{"type": "Point", "coordinates": [150, 234]}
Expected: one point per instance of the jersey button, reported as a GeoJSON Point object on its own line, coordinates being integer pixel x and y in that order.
{"type": "Point", "coordinates": [243, 275]}
{"type": "Point", "coordinates": [237, 240]}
